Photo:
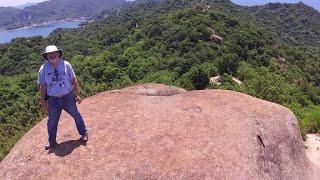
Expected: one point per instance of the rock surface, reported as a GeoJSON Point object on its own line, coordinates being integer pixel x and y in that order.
{"type": "Point", "coordinates": [209, 134]}
{"type": "Point", "coordinates": [313, 148]}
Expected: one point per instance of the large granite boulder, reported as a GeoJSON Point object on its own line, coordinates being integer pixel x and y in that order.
{"type": "Point", "coordinates": [158, 132]}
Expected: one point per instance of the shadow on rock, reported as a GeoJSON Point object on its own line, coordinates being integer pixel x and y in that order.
{"type": "Point", "coordinates": [66, 148]}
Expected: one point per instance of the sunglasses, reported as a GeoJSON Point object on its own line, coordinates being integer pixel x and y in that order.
{"type": "Point", "coordinates": [52, 55]}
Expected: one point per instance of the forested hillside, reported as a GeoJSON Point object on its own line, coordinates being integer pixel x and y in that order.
{"type": "Point", "coordinates": [7, 13]}
{"type": "Point", "coordinates": [174, 42]}
{"type": "Point", "coordinates": [296, 24]}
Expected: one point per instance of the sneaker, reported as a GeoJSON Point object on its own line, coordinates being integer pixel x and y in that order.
{"type": "Point", "coordinates": [50, 145]}
{"type": "Point", "coordinates": [84, 138]}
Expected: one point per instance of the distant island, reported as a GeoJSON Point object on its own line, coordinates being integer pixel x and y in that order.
{"type": "Point", "coordinates": [53, 10]}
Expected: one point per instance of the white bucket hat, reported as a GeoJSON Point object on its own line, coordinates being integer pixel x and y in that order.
{"type": "Point", "coordinates": [49, 49]}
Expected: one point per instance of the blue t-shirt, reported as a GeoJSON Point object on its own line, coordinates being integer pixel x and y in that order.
{"type": "Point", "coordinates": [57, 80]}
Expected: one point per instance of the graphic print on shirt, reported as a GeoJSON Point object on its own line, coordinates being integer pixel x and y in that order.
{"type": "Point", "coordinates": [57, 79]}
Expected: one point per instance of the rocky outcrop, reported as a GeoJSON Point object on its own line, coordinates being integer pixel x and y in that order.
{"type": "Point", "coordinates": [160, 132]}
{"type": "Point", "coordinates": [214, 36]}
{"type": "Point", "coordinates": [280, 59]}
{"type": "Point", "coordinates": [201, 6]}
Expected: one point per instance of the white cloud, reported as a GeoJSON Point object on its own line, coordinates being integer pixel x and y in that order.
{"type": "Point", "coordinates": [17, 2]}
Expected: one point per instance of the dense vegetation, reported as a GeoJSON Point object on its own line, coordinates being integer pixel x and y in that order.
{"type": "Point", "coordinates": [166, 42]}
{"type": "Point", "coordinates": [53, 10]}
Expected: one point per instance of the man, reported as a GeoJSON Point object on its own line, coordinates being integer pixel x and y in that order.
{"type": "Point", "coordinates": [57, 80]}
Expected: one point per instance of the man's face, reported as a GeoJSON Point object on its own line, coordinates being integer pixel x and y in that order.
{"type": "Point", "coordinates": [53, 57]}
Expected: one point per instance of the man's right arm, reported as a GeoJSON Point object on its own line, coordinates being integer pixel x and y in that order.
{"type": "Point", "coordinates": [42, 89]}
{"type": "Point", "coordinates": [43, 103]}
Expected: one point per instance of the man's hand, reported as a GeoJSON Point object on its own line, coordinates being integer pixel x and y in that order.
{"type": "Point", "coordinates": [77, 89]}
{"type": "Point", "coordinates": [44, 105]}
{"type": "Point", "coordinates": [79, 99]}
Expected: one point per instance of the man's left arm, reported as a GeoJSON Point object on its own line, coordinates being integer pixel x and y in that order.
{"type": "Point", "coordinates": [74, 82]}
{"type": "Point", "coordinates": [76, 89]}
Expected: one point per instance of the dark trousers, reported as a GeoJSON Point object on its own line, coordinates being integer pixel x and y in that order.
{"type": "Point", "coordinates": [55, 106]}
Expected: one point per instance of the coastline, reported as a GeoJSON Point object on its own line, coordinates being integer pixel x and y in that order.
{"type": "Point", "coordinates": [41, 29]}
{"type": "Point", "coordinates": [81, 19]}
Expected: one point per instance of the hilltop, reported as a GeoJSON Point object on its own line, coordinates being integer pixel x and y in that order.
{"type": "Point", "coordinates": [153, 131]}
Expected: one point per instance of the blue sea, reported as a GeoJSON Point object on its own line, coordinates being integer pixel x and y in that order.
{"type": "Point", "coordinates": [44, 30]}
